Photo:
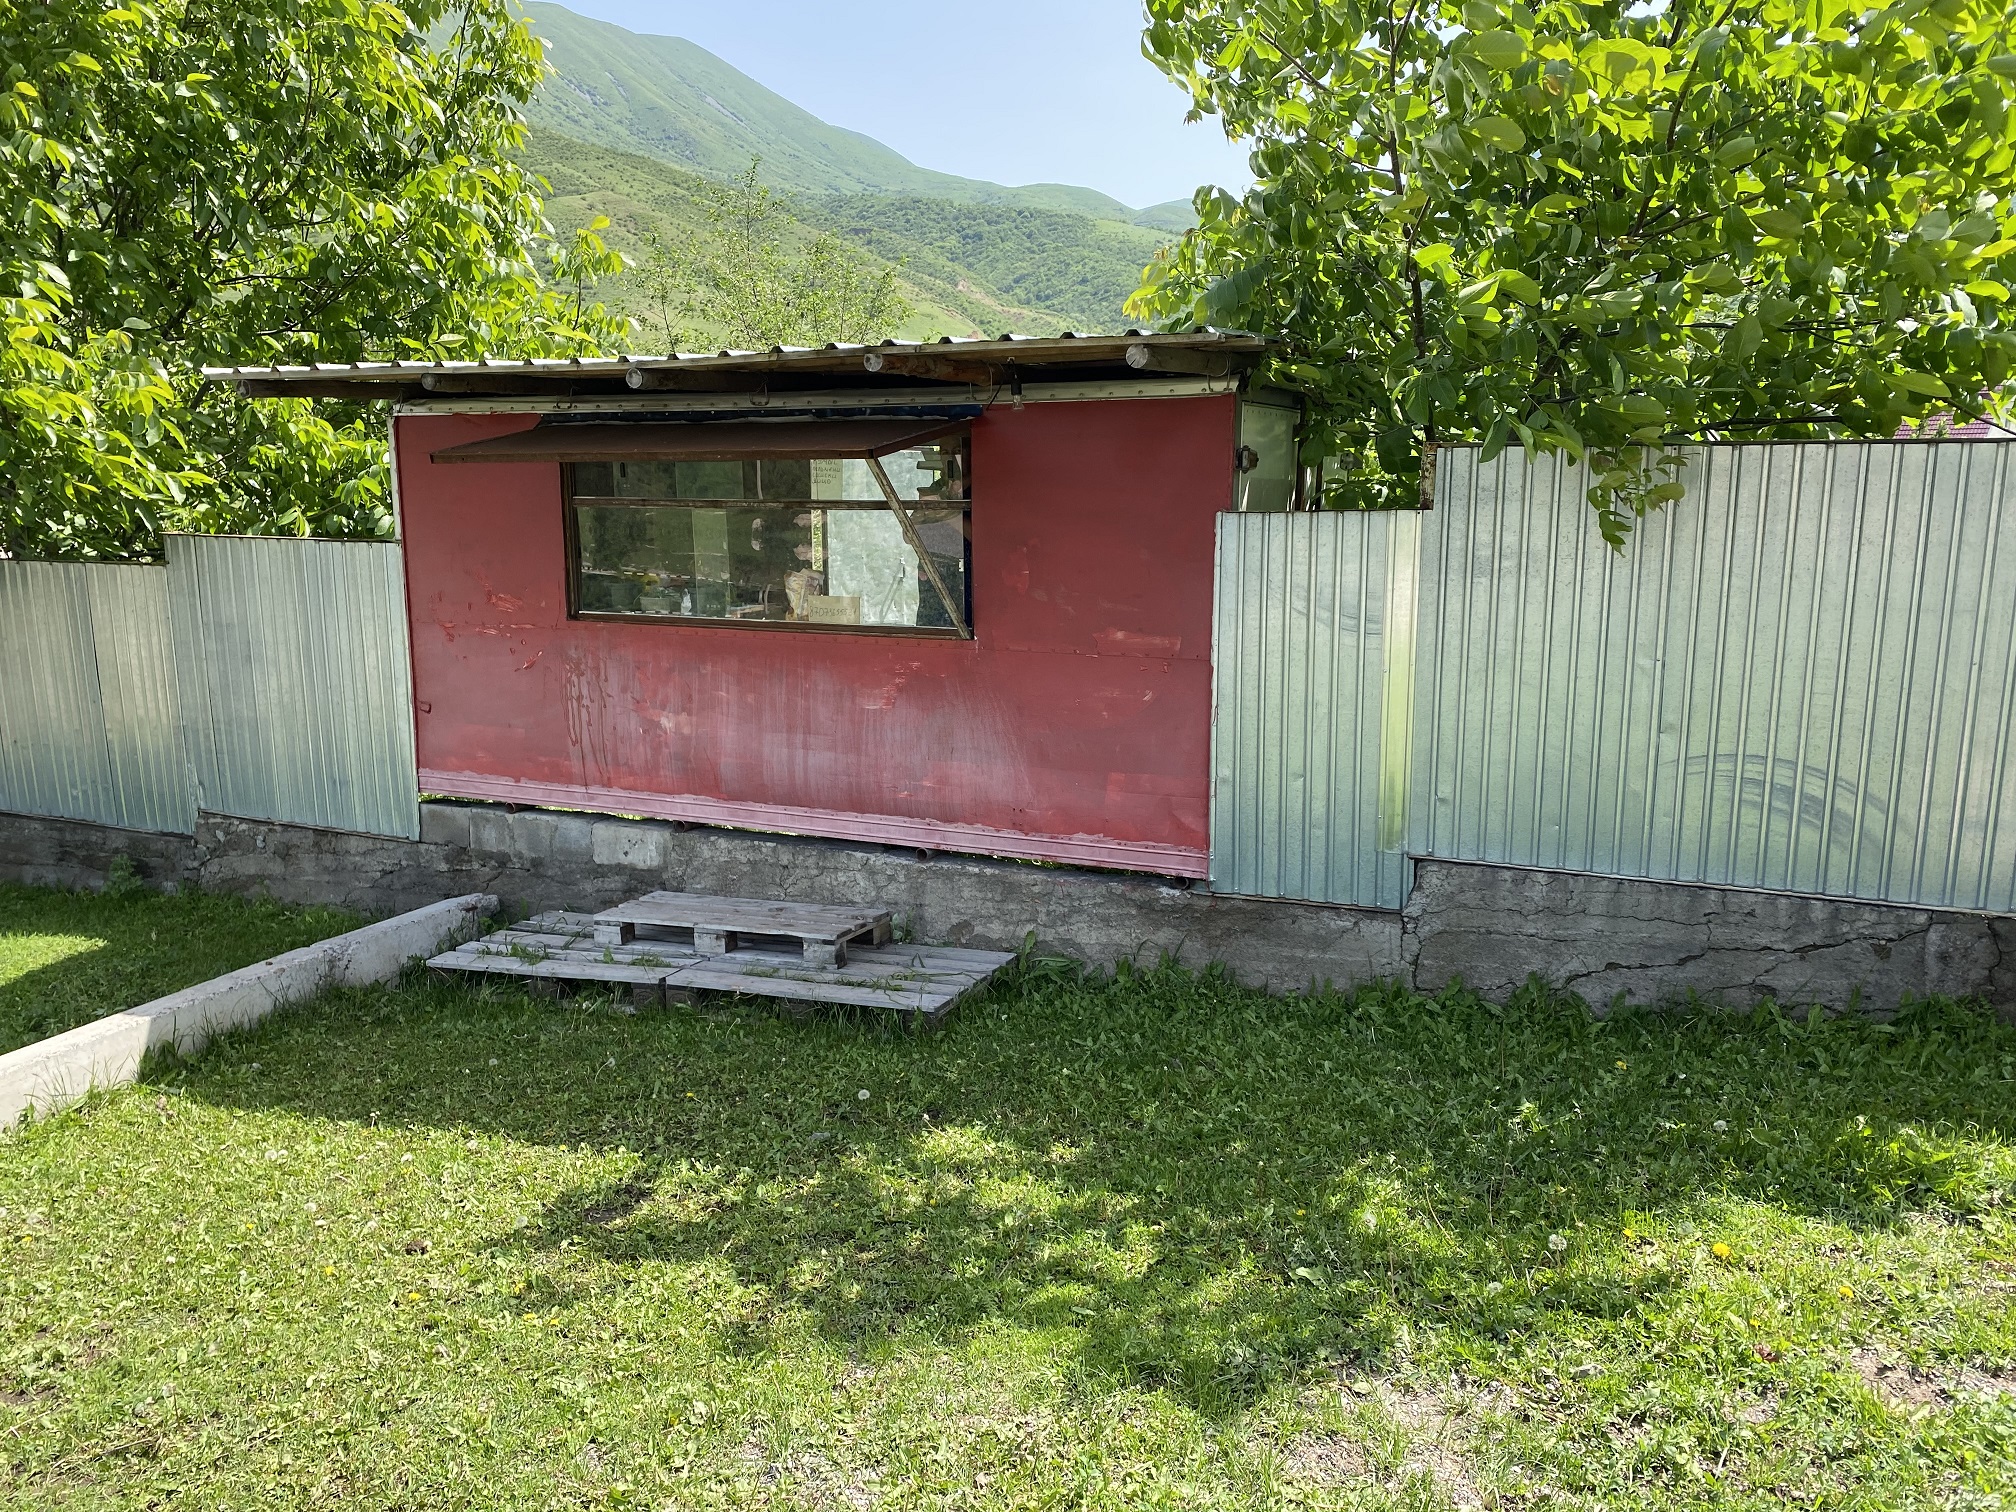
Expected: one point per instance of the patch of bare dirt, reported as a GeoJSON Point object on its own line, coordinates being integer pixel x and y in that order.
{"type": "Point", "coordinates": [1904, 1389]}
{"type": "Point", "coordinates": [812, 1479]}
{"type": "Point", "coordinates": [1326, 1459]}
{"type": "Point", "coordinates": [1436, 1430]}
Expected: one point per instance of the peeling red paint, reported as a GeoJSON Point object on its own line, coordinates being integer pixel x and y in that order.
{"type": "Point", "coordinates": [1081, 711]}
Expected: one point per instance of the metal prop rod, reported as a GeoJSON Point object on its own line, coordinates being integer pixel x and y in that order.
{"type": "Point", "coordinates": [923, 557]}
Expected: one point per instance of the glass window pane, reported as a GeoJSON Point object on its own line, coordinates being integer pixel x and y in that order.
{"type": "Point", "coordinates": [786, 539]}
{"type": "Point", "coordinates": [943, 533]}
{"type": "Point", "coordinates": [790, 479]}
{"type": "Point", "coordinates": [713, 480]}
{"type": "Point", "coordinates": [1269, 429]}
{"type": "Point", "coordinates": [799, 565]}
{"type": "Point", "coordinates": [869, 564]}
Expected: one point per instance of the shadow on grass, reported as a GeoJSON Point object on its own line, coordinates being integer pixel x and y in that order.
{"type": "Point", "coordinates": [1190, 1185]}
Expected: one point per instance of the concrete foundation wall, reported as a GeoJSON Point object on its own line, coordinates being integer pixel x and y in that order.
{"type": "Point", "coordinates": [1490, 927]}
{"type": "Point", "coordinates": [1611, 939]}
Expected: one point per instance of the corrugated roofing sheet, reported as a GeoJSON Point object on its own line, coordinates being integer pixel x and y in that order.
{"type": "Point", "coordinates": [1799, 677]}
{"type": "Point", "coordinates": [298, 692]}
{"type": "Point", "coordinates": [1311, 662]}
{"type": "Point", "coordinates": [1007, 349]}
{"type": "Point", "coordinates": [89, 726]}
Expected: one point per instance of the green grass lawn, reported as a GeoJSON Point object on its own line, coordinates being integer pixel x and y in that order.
{"type": "Point", "coordinates": [1149, 1242]}
{"type": "Point", "coordinates": [67, 958]}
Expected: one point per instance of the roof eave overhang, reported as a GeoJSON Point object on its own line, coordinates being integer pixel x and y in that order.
{"type": "Point", "coordinates": [951, 362]}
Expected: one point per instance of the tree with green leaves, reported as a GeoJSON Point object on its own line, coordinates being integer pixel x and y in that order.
{"type": "Point", "coordinates": [1604, 228]}
{"type": "Point", "coordinates": [243, 182]}
{"type": "Point", "coordinates": [755, 277]}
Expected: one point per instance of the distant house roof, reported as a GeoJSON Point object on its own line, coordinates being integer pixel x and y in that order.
{"type": "Point", "coordinates": [1940, 427]}
{"type": "Point", "coordinates": [969, 363]}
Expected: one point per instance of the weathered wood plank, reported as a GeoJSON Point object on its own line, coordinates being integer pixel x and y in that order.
{"type": "Point", "coordinates": [559, 918]}
{"type": "Point", "coordinates": [922, 980]}
{"type": "Point", "coordinates": [935, 957]}
{"type": "Point", "coordinates": [804, 921]}
{"type": "Point", "coordinates": [560, 971]}
{"type": "Point", "coordinates": [531, 939]}
{"type": "Point", "coordinates": [911, 996]}
{"type": "Point", "coordinates": [663, 956]}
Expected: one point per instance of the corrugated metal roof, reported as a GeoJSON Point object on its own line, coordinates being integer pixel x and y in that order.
{"type": "Point", "coordinates": [953, 358]}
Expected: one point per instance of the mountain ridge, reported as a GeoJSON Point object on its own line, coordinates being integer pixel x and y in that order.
{"type": "Point", "coordinates": [672, 100]}
{"type": "Point", "coordinates": [968, 269]}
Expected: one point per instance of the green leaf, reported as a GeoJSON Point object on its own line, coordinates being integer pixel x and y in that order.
{"type": "Point", "coordinates": [1782, 224]}
{"type": "Point", "coordinates": [1519, 286]}
{"type": "Point", "coordinates": [1227, 299]}
{"type": "Point", "coordinates": [1433, 256]}
{"type": "Point", "coordinates": [1501, 132]}
{"type": "Point", "coordinates": [1925, 384]}
{"type": "Point", "coordinates": [1503, 50]}
{"type": "Point", "coordinates": [1396, 450]}
{"type": "Point", "coordinates": [1640, 410]}
{"type": "Point", "coordinates": [2004, 64]}
{"type": "Point", "coordinates": [1716, 278]}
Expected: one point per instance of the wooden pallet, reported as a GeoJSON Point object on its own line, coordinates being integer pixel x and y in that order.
{"type": "Point", "coordinates": [717, 926]}
{"type": "Point", "coordinates": [921, 980]}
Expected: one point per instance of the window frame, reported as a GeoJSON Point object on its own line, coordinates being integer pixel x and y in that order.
{"type": "Point", "coordinates": [571, 503]}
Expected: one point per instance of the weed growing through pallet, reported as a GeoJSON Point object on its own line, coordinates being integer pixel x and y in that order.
{"type": "Point", "coordinates": [1150, 1241]}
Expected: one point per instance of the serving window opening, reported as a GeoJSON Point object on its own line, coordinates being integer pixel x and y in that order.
{"type": "Point", "coordinates": [868, 544]}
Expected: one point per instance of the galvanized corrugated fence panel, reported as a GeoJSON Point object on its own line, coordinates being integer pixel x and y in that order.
{"type": "Point", "coordinates": [1300, 668]}
{"type": "Point", "coordinates": [1800, 677]}
{"type": "Point", "coordinates": [299, 696]}
{"type": "Point", "coordinates": [89, 725]}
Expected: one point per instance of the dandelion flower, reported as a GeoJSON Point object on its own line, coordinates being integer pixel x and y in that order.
{"type": "Point", "coordinates": [1847, 1293]}
{"type": "Point", "coordinates": [1556, 1243]}
{"type": "Point", "coordinates": [1720, 1251]}
{"type": "Point", "coordinates": [862, 1095]}
{"type": "Point", "coordinates": [412, 1296]}
{"type": "Point", "coordinates": [328, 1270]}
{"type": "Point", "coordinates": [1721, 1126]}
{"type": "Point", "coordinates": [1622, 1067]}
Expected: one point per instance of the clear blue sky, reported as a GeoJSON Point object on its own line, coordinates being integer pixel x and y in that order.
{"type": "Point", "coordinates": [1020, 92]}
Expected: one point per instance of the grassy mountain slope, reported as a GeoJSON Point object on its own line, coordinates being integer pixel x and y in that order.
{"type": "Point", "coordinates": [670, 99]}
{"type": "Point", "coordinates": [948, 298]}
{"type": "Point", "coordinates": [1077, 270]}
{"type": "Point", "coordinates": [1171, 215]}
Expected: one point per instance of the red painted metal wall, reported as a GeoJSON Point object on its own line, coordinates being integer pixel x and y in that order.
{"type": "Point", "coordinates": [1074, 727]}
